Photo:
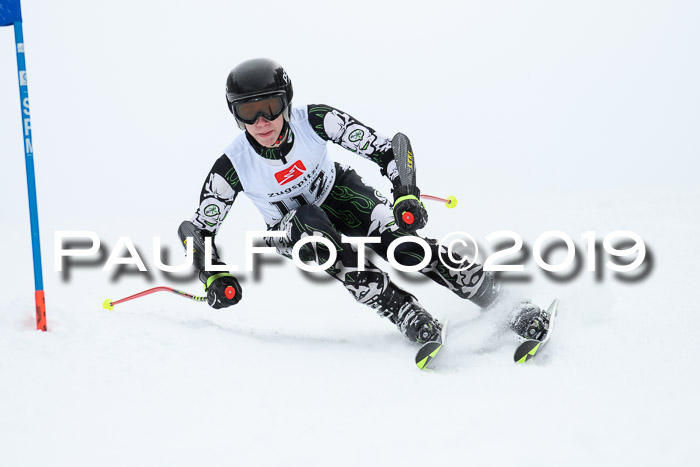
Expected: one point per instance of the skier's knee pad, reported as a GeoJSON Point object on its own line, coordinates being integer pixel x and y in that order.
{"type": "Point", "coordinates": [312, 215]}
{"type": "Point", "coordinates": [304, 221]}
{"type": "Point", "coordinates": [312, 221]}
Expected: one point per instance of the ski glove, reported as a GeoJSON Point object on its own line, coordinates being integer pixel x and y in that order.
{"type": "Point", "coordinates": [218, 293]}
{"type": "Point", "coordinates": [409, 212]}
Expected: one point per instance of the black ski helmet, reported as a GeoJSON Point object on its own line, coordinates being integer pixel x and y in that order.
{"type": "Point", "coordinates": [255, 78]}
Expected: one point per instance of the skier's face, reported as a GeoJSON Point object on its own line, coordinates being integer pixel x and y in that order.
{"type": "Point", "coordinates": [266, 132]}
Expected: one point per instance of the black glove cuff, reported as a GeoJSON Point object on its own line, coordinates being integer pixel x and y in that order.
{"type": "Point", "coordinates": [405, 190]}
{"type": "Point", "coordinates": [205, 275]}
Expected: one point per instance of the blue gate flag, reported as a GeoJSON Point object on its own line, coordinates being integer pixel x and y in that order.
{"type": "Point", "coordinates": [10, 12]}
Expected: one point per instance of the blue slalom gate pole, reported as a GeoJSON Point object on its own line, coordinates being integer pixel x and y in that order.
{"type": "Point", "coordinates": [10, 13]}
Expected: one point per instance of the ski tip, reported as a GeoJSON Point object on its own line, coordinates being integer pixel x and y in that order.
{"type": "Point", "coordinates": [427, 353]}
{"type": "Point", "coordinates": [423, 363]}
{"type": "Point", "coordinates": [429, 350]}
{"type": "Point", "coordinates": [107, 305]}
{"type": "Point", "coordinates": [526, 351]}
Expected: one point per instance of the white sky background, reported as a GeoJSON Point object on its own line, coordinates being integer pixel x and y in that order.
{"type": "Point", "coordinates": [523, 110]}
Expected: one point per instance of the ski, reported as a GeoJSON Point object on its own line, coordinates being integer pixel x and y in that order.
{"type": "Point", "coordinates": [429, 350]}
{"type": "Point", "coordinates": [531, 347]}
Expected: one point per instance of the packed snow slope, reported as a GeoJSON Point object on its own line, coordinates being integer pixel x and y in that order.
{"type": "Point", "coordinates": [537, 117]}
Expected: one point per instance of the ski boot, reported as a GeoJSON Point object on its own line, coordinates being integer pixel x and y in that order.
{"type": "Point", "coordinates": [410, 317]}
{"type": "Point", "coordinates": [529, 321]}
{"type": "Point", "coordinates": [417, 324]}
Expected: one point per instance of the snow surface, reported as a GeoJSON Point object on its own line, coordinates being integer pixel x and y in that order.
{"type": "Point", "coordinates": [535, 115]}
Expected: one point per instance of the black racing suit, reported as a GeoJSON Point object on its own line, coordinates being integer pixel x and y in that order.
{"type": "Point", "coordinates": [354, 209]}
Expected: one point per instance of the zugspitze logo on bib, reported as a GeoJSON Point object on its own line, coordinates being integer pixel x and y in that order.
{"type": "Point", "coordinates": [287, 175]}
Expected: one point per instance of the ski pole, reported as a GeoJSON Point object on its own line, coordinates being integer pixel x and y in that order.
{"type": "Point", "coordinates": [108, 304]}
{"type": "Point", "coordinates": [450, 202]}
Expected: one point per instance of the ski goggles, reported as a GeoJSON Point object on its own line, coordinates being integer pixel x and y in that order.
{"type": "Point", "coordinates": [269, 107]}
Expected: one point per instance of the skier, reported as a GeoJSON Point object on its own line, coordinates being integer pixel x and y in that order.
{"type": "Point", "coordinates": [281, 163]}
